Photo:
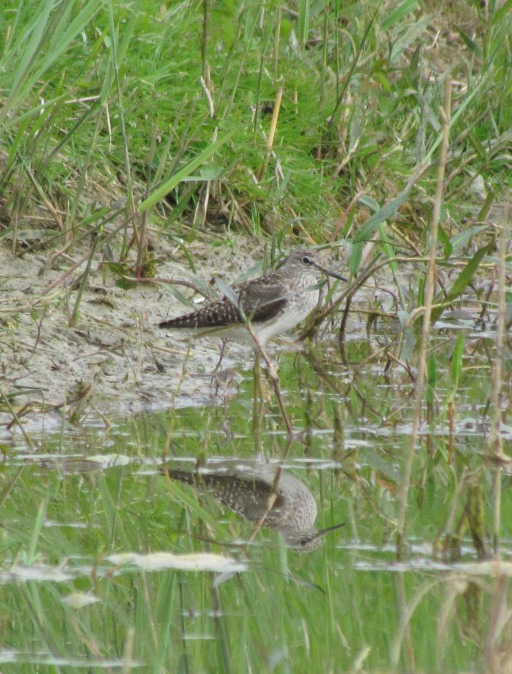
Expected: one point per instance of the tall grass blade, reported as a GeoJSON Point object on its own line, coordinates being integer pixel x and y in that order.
{"type": "Point", "coordinates": [170, 184]}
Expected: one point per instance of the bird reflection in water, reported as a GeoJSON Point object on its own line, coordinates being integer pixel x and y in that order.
{"type": "Point", "coordinates": [262, 493]}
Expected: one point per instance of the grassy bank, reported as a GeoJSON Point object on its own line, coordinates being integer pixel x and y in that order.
{"type": "Point", "coordinates": [299, 121]}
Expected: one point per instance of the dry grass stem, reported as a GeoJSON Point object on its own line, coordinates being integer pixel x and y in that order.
{"type": "Point", "coordinates": [429, 296]}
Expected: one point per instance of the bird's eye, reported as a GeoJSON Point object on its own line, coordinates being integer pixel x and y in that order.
{"type": "Point", "coordinates": [307, 260]}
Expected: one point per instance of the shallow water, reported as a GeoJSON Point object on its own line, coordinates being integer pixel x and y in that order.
{"type": "Point", "coordinates": [109, 565]}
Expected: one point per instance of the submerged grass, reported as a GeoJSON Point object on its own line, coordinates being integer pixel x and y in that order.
{"type": "Point", "coordinates": [347, 607]}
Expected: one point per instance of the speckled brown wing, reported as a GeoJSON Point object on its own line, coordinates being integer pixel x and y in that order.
{"type": "Point", "coordinates": [247, 497]}
{"type": "Point", "coordinates": [263, 299]}
{"type": "Point", "coordinates": [212, 315]}
{"type": "Point", "coordinates": [260, 300]}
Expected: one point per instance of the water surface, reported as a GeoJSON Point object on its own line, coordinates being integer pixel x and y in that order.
{"type": "Point", "coordinates": [107, 565]}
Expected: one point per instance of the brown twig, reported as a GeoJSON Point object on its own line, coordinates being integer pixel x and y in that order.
{"type": "Point", "coordinates": [272, 132]}
{"type": "Point", "coordinates": [429, 297]}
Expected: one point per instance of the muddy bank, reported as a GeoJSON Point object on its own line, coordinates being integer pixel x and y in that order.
{"type": "Point", "coordinates": [115, 360]}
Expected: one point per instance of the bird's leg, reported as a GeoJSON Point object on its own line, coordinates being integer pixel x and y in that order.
{"type": "Point", "coordinates": [258, 402]}
{"type": "Point", "coordinates": [274, 378]}
{"type": "Point", "coordinates": [221, 356]}
{"type": "Point", "coordinates": [256, 371]}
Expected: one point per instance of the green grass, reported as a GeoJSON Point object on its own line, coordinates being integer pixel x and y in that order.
{"type": "Point", "coordinates": [105, 100]}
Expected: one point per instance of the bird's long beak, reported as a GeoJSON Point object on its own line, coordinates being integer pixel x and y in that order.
{"type": "Point", "coordinates": [322, 532]}
{"type": "Point", "coordinates": [329, 272]}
